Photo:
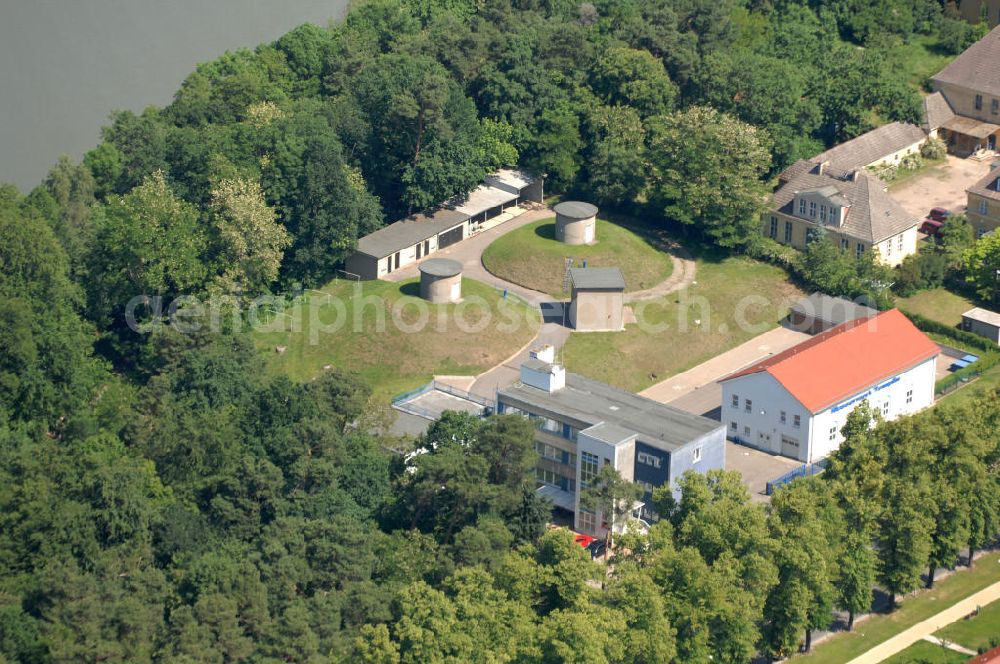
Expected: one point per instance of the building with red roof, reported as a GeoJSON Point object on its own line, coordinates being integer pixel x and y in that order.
{"type": "Point", "coordinates": [991, 657]}
{"type": "Point", "coordinates": [794, 403]}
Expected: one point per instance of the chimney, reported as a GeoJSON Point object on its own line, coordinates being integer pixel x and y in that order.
{"type": "Point", "coordinates": [543, 375]}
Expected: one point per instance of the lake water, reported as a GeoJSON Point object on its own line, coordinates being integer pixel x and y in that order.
{"type": "Point", "coordinates": [66, 64]}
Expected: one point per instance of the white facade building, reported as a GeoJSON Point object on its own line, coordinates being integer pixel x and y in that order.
{"type": "Point", "coordinates": [796, 402]}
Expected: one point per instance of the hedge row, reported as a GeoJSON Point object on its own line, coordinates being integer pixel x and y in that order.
{"type": "Point", "coordinates": [988, 358]}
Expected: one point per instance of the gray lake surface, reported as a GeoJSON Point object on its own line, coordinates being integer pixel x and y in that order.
{"type": "Point", "coordinates": [66, 64]}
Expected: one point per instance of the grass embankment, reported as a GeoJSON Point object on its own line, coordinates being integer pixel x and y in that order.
{"type": "Point", "coordinates": [414, 340]}
{"type": "Point", "coordinates": [945, 307]}
{"type": "Point", "coordinates": [980, 632]}
{"type": "Point", "coordinates": [531, 257]}
{"type": "Point", "coordinates": [869, 633]}
{"type": "Point", "coordinates": [686, 328]}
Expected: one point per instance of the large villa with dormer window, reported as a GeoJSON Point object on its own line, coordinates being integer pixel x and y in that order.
{"type": "Point", "coordinates": [852, 208]}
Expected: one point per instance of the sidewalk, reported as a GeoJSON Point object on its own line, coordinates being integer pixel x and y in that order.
{"type": "Point", "coordinates": [916, 633]}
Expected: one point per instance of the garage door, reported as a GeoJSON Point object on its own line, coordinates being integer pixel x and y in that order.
{"type": "Point", "coordinates": [789, 447]}
{"type": "Point", "coordinates": [449, 237]}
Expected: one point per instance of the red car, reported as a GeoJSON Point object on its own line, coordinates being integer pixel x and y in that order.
{"type": "Point", "coordinates": [931, 226]}
{"type": "Point", "coordinates": [939, 214]}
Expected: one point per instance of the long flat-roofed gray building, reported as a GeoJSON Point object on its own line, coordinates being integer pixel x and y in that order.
{"type": "Point", "coordinates": [584, 424]}
{"type": "Point", "coordinates": [408, 240]}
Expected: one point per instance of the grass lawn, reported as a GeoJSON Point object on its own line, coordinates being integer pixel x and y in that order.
{"type": "Point", "coordinates": [869, 633]}
{"type": "Point", "coordinates": [925, 651]}
{"type": "Point", "coordinates": [939, 166]}
{"type": "Point", "coordinates": [400, 353]}
{"type": "Point", "coordinates": [938, 304]}
{"type": "Point", "coordinates": [977, 632]}
{"type": "Point", "coordinates": [669, 339]}
{"type": "Point", "coordinates": [947, 307]}
{"type": "Point", "coordinates": [533, 258]}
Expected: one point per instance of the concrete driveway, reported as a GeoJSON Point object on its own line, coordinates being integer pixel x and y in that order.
{"type": "Point", "coordinates": [941, 186]}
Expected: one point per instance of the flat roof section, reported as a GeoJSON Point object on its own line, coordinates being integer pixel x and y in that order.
{"type": "Point", "coordinates": [576, 210]}
{"type": "Point", "coordinates": [407, 232]}
{"type": "Point", "coordinates": [597, 278]}
{"type": "Point", "coordinates": [829, 309]}
{"type": "Point", "coordinates": [592, 402]}
{"type": "Point", "coordinates": [983, 316]}
{"type": "Point", "coordinates": [441, 267]}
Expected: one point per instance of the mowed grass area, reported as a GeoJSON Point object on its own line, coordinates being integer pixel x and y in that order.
{"type": "Point", "coordinates": [946, 307]}
{"type": "Point", "coordinates": [683, 329]}
{"type": "Point", "coordinates": [868, 633]}
{"type": "Point", "coordinates": [937, 304]}
{"type": "Point", "coordinates": [533, 258]}
{"type": "Point", "coordinates": [978, 632]}
{"type": "Point", "coordinates": [929, 653]}
{"type": "Point", "coordinates": [392, 338]}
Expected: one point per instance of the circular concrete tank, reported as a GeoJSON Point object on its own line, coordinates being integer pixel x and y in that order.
{"type": "Point", "coordinates": [576, 222]}
{"type": "Point", "coordinates": [441, 280]}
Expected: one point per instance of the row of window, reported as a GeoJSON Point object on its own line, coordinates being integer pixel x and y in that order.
{"type": "Point", "coordinates": [547, 424]}
{"type": "Point", "coordinates": [994, 105]}
{"type": "Point", "coordinates": [845, 244]}
{"type": "Point", "coordinates": [588, 468]}
{"type": "Point", "coordinates": [748, 408]}
{"type": "Point", "coordinates": [834, 214]}
{"type": "Point", "coordinates": [555, 479]}
{"type": "Point", "coordinates": [555, 454]}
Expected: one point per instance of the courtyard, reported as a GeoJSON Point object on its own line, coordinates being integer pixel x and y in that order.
{"type": "Point", "coordinates": [942, 185]}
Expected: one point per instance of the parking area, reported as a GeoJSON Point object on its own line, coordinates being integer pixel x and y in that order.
{"type": "Point", "coordinates": [939, 186]}
{"type": "Point", "coordinates": [756, 467]}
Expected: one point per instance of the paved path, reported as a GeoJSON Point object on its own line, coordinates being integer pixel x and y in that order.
{"type": "Point", "coordinates": [905, 639]}
{"type": "Point", "coordinates": [950, 646]}
{"type": "Point", "coordinates": [705, 375]}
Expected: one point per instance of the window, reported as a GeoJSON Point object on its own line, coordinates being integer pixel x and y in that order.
{"type": "Point", "coordinates": [697, 455]}
{"type": "Point", "coordinates": [748, 406]}
{"type": "Point", "coordinates": [796, 421]}
{"type": "Point", "coordinates": [746, 432]}
{"type": "Point", "coordinates": [587, 521]}
{"type": "Point", "coordinates": [983, 208]}
{"type": "Point", "coordinates": [812, 209]}
{"type": "Point", "coordinates": [822, 213]}
{"type": "Point", "coordinates": [646, 487]}
{"type": "Point", "coordinates": [888, 248]}
{"type": "Point", "coordinates": [588, 468]}
{"type": "Point", "coordinates": [802, 206]}
{"type": "Point", "coordinates": [736, 401]}
{"type": "Point", "coordinates": [732, 425]}
{"type": "Point", "coordinates": [774, 228]}
{"type": "Point", "coordinates": [783, 417]}
{"type": "Point", "coordinates": [899, 243]}
{"type": "Point", "coordinates": [859, 249]}
{"type": "Point", "coordinates": [834, 215]}
{"type": "Point", "coordinates": [979, 102]}
{"type": "Point", "coordinates": [995, 106]}
{"type": "Point", "coordinates": [885, 408]}
{"type": "Point", "coordinates": [833, 433]}
{"type": "Point", "coordinates": [909, 396]}
{"type": "Point", "coordinates": [788, 231]}
{"type": "Point", "coordinates": [844, 244]}
{"type": "Point", "coordinates": [648, 459]}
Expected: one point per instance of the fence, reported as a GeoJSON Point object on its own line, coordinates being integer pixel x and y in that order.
{"type": "Point", "coordinates": [402, 401]}
{"type": "Point", "coordinates": [805, 470]}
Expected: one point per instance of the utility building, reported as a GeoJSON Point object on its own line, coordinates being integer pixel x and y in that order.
{"type": "Point", "coordinates": [598, 300]}
{"type": "Point", "coordinates": [796, 402]}
{"type": "Point", "coordinates": [501, 197]}
{"type": "Point", "coordinates": [584, 425]}
{"type": "Point", "coordinates": [576, 222]}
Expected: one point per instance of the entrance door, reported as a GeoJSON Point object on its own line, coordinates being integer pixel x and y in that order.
{"type": "Point", "coordinates": [427, 247]}
{"type": "Point", "coordinates": [397, 260]}
{"type": "Point", "coordinates": [991, 142]}
{"type": "Point", "coordinates": [420, 248]}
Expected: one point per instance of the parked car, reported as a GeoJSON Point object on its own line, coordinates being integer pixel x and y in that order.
{"type": "Point", "coordinates": [939, 214]}
{"type": "Point", "coordinates": [931, 226]}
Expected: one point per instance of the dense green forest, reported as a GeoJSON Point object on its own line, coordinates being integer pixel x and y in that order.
{"type": "Point", "coordinates": [162, 498]}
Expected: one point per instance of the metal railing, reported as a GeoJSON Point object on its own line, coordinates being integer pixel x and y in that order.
{"type": "Point", "coordinates": [805, 470]}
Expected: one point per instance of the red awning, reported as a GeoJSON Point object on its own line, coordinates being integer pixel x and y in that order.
{"type": "Point", "coordinates": [584, 540]}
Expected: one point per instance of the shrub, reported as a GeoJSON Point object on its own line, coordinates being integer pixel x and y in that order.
{"type": "Point", "coordinates": [933, 148]}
